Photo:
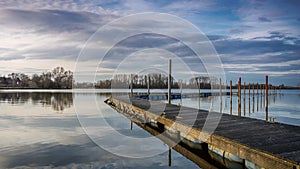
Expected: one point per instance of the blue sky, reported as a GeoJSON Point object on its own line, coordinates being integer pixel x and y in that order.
{"type": "Point", "coordinates": [252, 38]}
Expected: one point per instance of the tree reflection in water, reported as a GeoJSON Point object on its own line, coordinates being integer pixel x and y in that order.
{"type": "Point", "coordinates": [58, 101]}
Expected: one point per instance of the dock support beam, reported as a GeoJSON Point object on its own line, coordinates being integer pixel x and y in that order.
{"type": "Point", "coordinates": [169, 82]}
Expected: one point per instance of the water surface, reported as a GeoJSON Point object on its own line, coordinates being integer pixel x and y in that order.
{"type": "Point", "coordinates": [40, 129]}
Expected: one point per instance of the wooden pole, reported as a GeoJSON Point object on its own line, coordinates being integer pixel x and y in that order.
{"type": "Point", "coordinates": [131, 85]}
{"type": "Point", "coordinates": [244, 88]}
{"type": "Point", "coordinates": [231, 97]}
{"type": "Point", "coordinates": [169, 82]}
{"type": "Point", "coordinates": [230, 89]}
{"type": "Point", "coordinates": [267, 97]}
{"type": "Point", "coordinates": [148, 85]}
{"type": "Point", "coordinates": [260, 95]}
{"type": "Point", "coordinates": [257, 96]}
{"type": "Point", "coordinates": [180, 92]}
{"type": "Point", "coordinates": [249, 86]}
{"type": "Point", "coordinates": [253, 92]}
{"type": "Point", "coordinates": [264, 95]}
{"type": "Point", "coordinates": [239, 97]}
{"type": "Point", "coordinates": [244, 98]}
{"type": "Point", "coordinates": [220, 95]}
{"type": "Point", "coordinates": [253, 99]}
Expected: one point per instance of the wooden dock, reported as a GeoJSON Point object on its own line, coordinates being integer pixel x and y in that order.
{"type": "Point", "coordinates": [268, 145]}
{"type": "Point", "coordinates": [164, 96]}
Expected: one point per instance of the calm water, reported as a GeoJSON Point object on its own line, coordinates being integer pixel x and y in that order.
{"type": "Point", "coordinates": [40, 129]}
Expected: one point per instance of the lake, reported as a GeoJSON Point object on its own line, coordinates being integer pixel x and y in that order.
{"type": "Point", "coordinates": [76, 129]}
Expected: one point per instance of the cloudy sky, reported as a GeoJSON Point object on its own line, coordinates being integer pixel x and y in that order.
{"type": "Point", "coordinates": [252, 38]}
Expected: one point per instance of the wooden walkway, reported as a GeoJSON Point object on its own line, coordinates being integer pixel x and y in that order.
{"type": "Point", "coordinates": [269, 145]}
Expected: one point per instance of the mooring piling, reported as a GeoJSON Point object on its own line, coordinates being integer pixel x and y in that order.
{"type": "Point", "coordinates": [231, 97]}
{"type": "Point", "coordinates": [267, 97]}
{"type": "Point", "coordinates": [239, 97]}
{"type": "Point", "coordinates": [169, 81]}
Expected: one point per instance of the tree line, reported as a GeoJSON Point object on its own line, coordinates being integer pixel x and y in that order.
{"type": "Point", "coordinates": [154, 81]}
{"type": "Point", "coordinates": [58, 78]}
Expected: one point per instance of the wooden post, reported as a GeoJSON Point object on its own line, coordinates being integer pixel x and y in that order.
{"type": "Point", "coordinates": [274, 96]}
{"type": "Point", "coordinates": [169, 82]}
{"type": "Point", "coordinates": [264, 95]}
{"type": "Point", "coordinates": [180, 81]}
{"type": "Point", "coordinates": [253, 92]}
{"type": "Point", "coordinates": [239, 97]}
{"type": "Point", "coordinates": [257, 97]}
{"type": "Point", "coordinates": [131, 85]}
{"type": "Point", "coordinates": [199, 87]}
{"type": "Point", "coordinates": [231, 97]}
{"type": "Point", "coordinates": [130, 125]}
{"type": "Point", "coordinates": [230, 88]}
{"type": "Point", "coordinates": [148, 85]}
{"type": "Point", "coordinates": [244, 88]}
{"type": "Point", "coordinates": [267, 97]}
{"type": "Point", "coordinates": [260, 95]}
{"type": "Point", "coordinates": [244, 98]}
{"type": "Point", "coordinates": [253, 99]}
{"type": "Point", "coordinates": [220, 95]}
{"type": "Point", "coordinates": [249, 86]}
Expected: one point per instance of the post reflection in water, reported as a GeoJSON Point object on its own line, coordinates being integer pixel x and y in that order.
{"type": "Point", "coordinates": [58, 101]}
{"type": "Point", "coordinates": [170, 157]}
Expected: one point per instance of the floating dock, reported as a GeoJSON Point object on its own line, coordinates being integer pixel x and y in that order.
{"type": "Point", "coordinates": [261, 143]}
{"type": "Point", "coordinates": [164, 96]}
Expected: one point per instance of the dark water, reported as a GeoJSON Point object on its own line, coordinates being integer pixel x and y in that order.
{"type": "Point", "coordinates": [41, 130]}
